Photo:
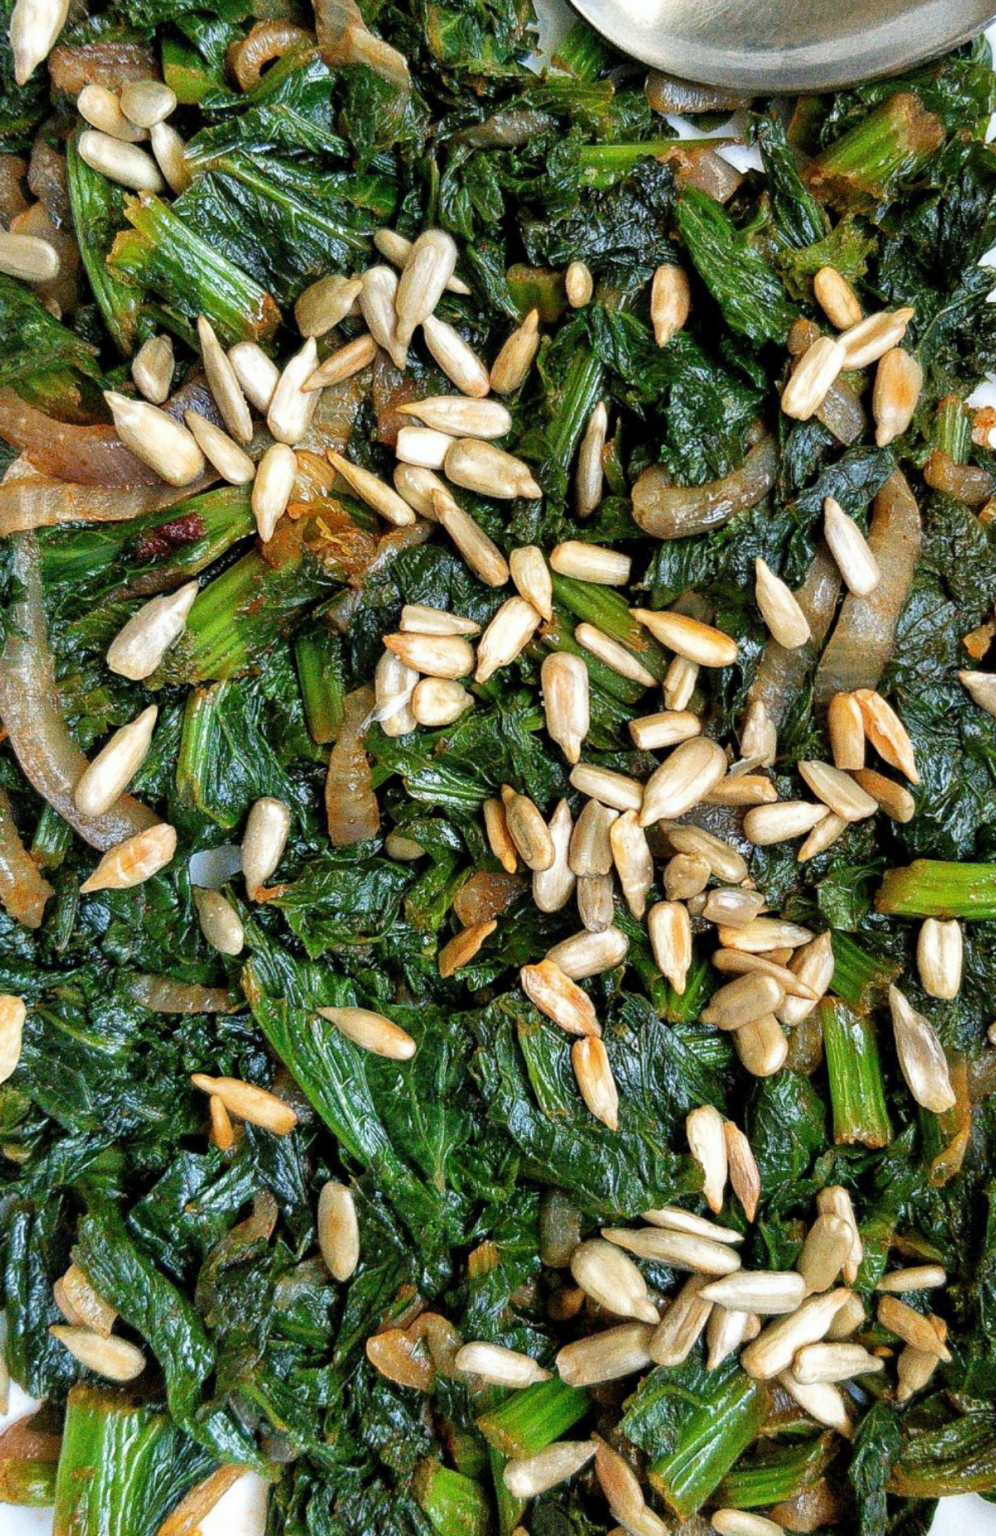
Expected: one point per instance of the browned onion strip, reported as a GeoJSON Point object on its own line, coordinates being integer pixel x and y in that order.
{"type": "Point", "coordinates": [268, 40]}
{"type": "Point", "coordinates": [163, 994]}
{"type": "Point", "coordinates": [343, 38]}
{"type": "Point", "coordinates": [191, 1510]}
{"type": "Point", "coordinates": [32, 714]}
{"type": "Point", "coordinates": [861, 644]}
{"type": "Point", "coordinates": [38, 502]}
{"type": "Point", "coordinates": [701, 167]}
{"type": "Point", "coordinates": [12, 199]}
{"type": "Point", "coordinates": [23, 888]}
{"type": "Point", "coordinates": [962, 482]}
{"type": "Point", "coordinates": [92, 455]}
{"type": "Point", "coordinates": [782, 673]}
{"type": "Point", "coordinates": [668, 93]}
{"type": "Point", "coordinates": [677, 512]}
{"type": "Point", "coordinates": [350, 802]}
{"type": "Point", "coordinates": [108, 62]}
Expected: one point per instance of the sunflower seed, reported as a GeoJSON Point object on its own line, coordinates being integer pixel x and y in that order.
{"type": "Point", "coordinates": [423, 447]}
{"type": "Point", "coordinates": [373, 491]}
{"type": "Point", "coordinates": [499, 1367]}
{"type": "Point", "coordinates": [579, 285]}
{"type": "Point", "coordinates": [685, 876]}
{"type": "Point", "coordinates": [772, 1293]}
{"type": "Point", "coordinates": [982, 688]}
{"type": "Point", "coordinates": [761, 1046]}
{"type": "Point", "coordinates": [812, 378]}
{"type": "Point", "coordinates": [553, 887]}
{"type": "Point", "coordinates": [496, 831]}
{"type": "Point", "coordinates": [145, 102]}
{"type": "Point", "coordinates": [12, 1016]}
{"type": "Point", "coordinates": [531, 576]}
{"type": "Point", "coordinates": [765, 825]}
{"type": "Point", "coordinates": [725, 1332]}
{"type": "Point", "coordinates": [732, 907]}
{"type": "Point", "coordinates": [101, 108]}
{"type": "Point", "coordinates": [342, 364]}
{"type": "Point", "coordinates": [506, 637]}
{"type": "Point", "coordinates": [589, 954]}
{"type": "Point", "coordinates": [114, 1359]}
{"type": "Point", "coordinates": [82, 1305]}
{"type": "Point", "coordinates": [665, 729]}
{"type": "Point", "coordinates": [776, 1345]}
{"type": "Point", "coordinates": [396, 249]}
{"type": "Point", "coordinates": [28, 257]}
{"type": "Point", "coordinates": [419, 488]}
{"type": "Point", "coordinates": [675, 1219]}
{"type": "Point", "coordinates": [682, 1250]}
{"type": "Point", "coordinates": [825, 1251]}
{"type": "Point", "coordinates": [838, 791]}
{"type": "Point", "coordinates": [480, 466]}
{"type": "Point", "coordinates": [220, 923]}
{"type": "Point", "coordinates": [463, 947]}
{"type": "Point", "coordinates": [821, 1400]}
{"type": "Point", "coordinates": [834, 1362]}
{"type": "Point", "coordinates": [528, 831]}
{"type": "Point", "coordinates": [912, 1327]}
{"type": "Point", "coordinates": [682, 1324]}
{"type": "Point", "coordinates": [171, 157]}
{"type": "Point", "coordinates": [124, 163]}
{"type": "Point", "coordinates": [898, 384]}
{"type": "Point", "coordinates": [813, 965]}
{"type": "Point", "coordinates": [377, 302]}
{"type": "Point", "coordinates": [745, 1178]}
{"type": "Point", "coordinates": [593, 1074]}
{"type": "Point", "coordinates": [670, 932]}
{"type": "Point", "coordinates": [679, 682]}
{"type": "Point", "coordinates": [564, 682]}
{"type": "Point", "coordinates": [561, 999]}
{"type": "Point", "coordinates": [394, 687]}
{"type": "Point", "coordinates": [220, 450]}
{"type": "Point", "coordinates": [765, 934]}
{"type": "Point", "coordinates": [732, 962]}
{"type": "Point", "coordinates": [848, 1320]}
{"type": "Point", "coordinates": [247, 1102]}
{"type": "Point", "coordinates": [152, 368]}
{"type": "Point", "coordinates": [272, 487]}
{"type": "Point", "coordinates": [870, 339]}
{"type": "Point", "coordinates": [115, 765]}
{"type": "Point", "coordinates": [526, 1478]}
{"type": "Point", "coordinates": [483, 556]}
{"type": "Point", "coordinates": [405, 849]}
{"type": "Point", "coordinates": [894, 799]}
{"type": "Point", "coordinates": [588, 482]}
{"type": "Point", "coordinates": [682, 780]}
{"type": "Point", "coordinates": [835, 1201]}
{"type": "Point", "coordinates": [837, 298]}
{"type": "Point", "coordinates": [134, 860]}
{"type": "Point", "coordinates": [822, 837]}
{"type": "Point", "coordinates": [606, 1356]}
{"type": "Point", "coordinates": [456, 358]}
{"type": "Point", "coordinates": [707, 1144]}
{"type": "Point", "coordinates": [338, 1230]}
{"type": "Point", "coordinates": [461, 417]}
{"type": "Point", "coordinates": [618, 1482]}
{"type": "Point", "coordinates": [434, 655]}
{"type": "Point", "coordinates": [591, 845]}
{"type": "Point", "coordinates": [612, 1280]}
{"type": "Point", "coordinates": [34, 30]}
{"type": "Point", "coordinates": [919, 1277]}
{"type": "Point", "coordinates": [257, 374]}
{"type": "Point", "coordinates": [430, 265]}
{"type": "Point", "coordinates": [724, 861]}
{"type": "Point", "coordinates": [741, 1001]}
{"type": "Point", "coordinates": [633, 861]}
{"type": "Point", "coordinates": [914, 1369]}
{"type": "Point", "coordinates": [850, 549]}
{"type": "Point", "coordinates": [758, 735]}
{"type": "Point", "coordinates": [614, 655]}
{"type": "Point", "coordinates": [511, 367]}
{"type": "Point", "coordinates": [372, 1032]}
{"type": "Point", "coordinates": [439, 701]}
{"type": "Point", "coordinates": [697, 642]}
{"type": "Point", "coordinates": [616, 790]}
{"type": "Point", "coordinates": [670, 302]}
{"type": "Point", "coordinates": [779, 608]}
{"type": "Point", "coordinates": [596, 902]}
{"type": "Point", "coordinates": [140, 645]}
{"type": "Point", "coordinates": [156, 439]}
{"type": "Point", "coordinates": [921, 1055]}
{"type": "Point", "coordinates": [591, 562]}
{"type": "Point", "coordinates": [325, 303]}
{"type": "Point", "coordinates": [223, 383]}
{"type": "Point", "coordinates": [845, 727]}
{"type": "Point", "coordinates": [291, 406]}
{"type": "Point", "coordinates": [742, 789]}
{"type": "Point", "coordinates": [263, 842]}
{"type": "Point", "coordinates": [939, 958]}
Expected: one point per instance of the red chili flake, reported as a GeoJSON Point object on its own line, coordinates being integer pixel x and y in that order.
{"type": "Point", "coordinates": [182, 530]}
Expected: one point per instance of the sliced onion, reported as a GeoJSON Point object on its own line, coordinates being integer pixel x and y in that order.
{"type": "Point", "coordinates": [344, 39]}
{"type": "Point", "coordinates": [699, 166]}
{"type": "Point", "coordinates": [350, 802]}
{"type": "Point", "coordinates": [163, 994]}
{"type": "Point", "coordinates": [35, 501]}
{"type": "Point", "coordinates": [667, 93]}
{"type": "Point", "coordinates": [47, 178]}
{"type": "Point", "coordinates": [268, 40]}
{"type": "Point", "coordinates": [677, 512]}
{"type": "Point", "coordinates": [782, 673]}
{"type": "Point", "coordinates": [962, 482]}
{"type": "Point", "coordinates": [199, 1502]}
{"type": "Point", "coordinates": [86, 455]}
{"type": "Point", "coordinates": [109, 63]}
{"type": "Point", "coordinates": [32, 714]}
{"type": "Point", "coordinates": [12, 199]}
{"type": "Point", "coordinates": [23, 888]}
{"type": "Point", "coordinates": [861, 645]}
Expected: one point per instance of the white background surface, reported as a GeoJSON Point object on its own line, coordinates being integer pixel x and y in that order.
{"type": "Point", "coordinates": [242, 1511]}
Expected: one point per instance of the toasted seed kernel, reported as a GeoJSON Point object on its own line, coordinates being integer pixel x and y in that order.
{"type": "Point", "coordinates": [682, 1250]}
{"type": "Point", "coordinates": [665, 729]}
{"type": "Point", "coordinates": [682, 1324]}
{"type": "Point", "coordinates": [531, 576]}
{"type": "Point", "coordinates": [326, 302]}
{"type": "Point", "coordinates": [616, 790]}
{"type": "Point", "coordinates": [499, 1367]}
{"type": "Point", "coordinates": [759, 736]}
{"type": "Point", "coordinates": [685, 876]}
{"type": "Point", "coordinates": [846, 730]}
{"type": "Point", "coordinates": [220, 923]}
{"type": "Point", "coordinates": [731, 907]}
{"type": "Point", "coordinates": [101, 108]}
{"type": "Point", "coordinates": [591, 846]}
{"type": "Point", "coordinates": [733, 963]}
{"type": "Point", "coordinates": [679, 682]}
{"type": "Point", "coordinates": [34, 30]}
{"type": "Point", "coordinates": [133, 861]}
{"type": "Point", "coordinates": [506, 637]}
{"type": "Point", "coordinates": [397, 250]}
{"type": "Point", "coordinates": [682, 780]}
{"type": "Point", "coordinates": [263, 842]}
{"type": "Point", "coordinates": [606, 1356]}
{"type": "Point", "coordinates": [490, 471]}
{"type": "Point", "coordinates": [593, 1073]}
{"type": "Point", "coordinates": [850, 549]}
{"type": "Point", "coordinates": [430, 265]}
{"type": "Point", "coordinates": [725, 1332]}
{"type": "Point", "coordinates": [939, 957]}
{"type": "Point", "coordinates": [481, 553]}
{"type": "Point", "coordinates": [291, 406]}
{"type": "Point", "coordinates": [982, 688]}
{"type": "Point", "coordinates": [439, 701]}
{"type": "Point", "coordinates": [564, 682]}
{"type": "Point", "coordinates": [921, 1055]}
{"type": "Point", "coordinates": [171, 157]}
{"type": "Point", "coordinates": [761, 1046]}
{"type": "Point", "coordinates": [456, 358]}
{"type": "Point", "coordinates": [419, 488]}
{"type": "Point", "coordinates": [675, 1219]}
{"type": "Point", "coordinates": [223, 383]}
{"type": "Point", "coordinates": [591, 562]}
{"type": "Point", "coordinates": [12, 1016]}
{"type": "Point", "coordinates": [372, 1032]}
{"type": "Point", "coordinates": [256, 373]}
{"type": "Point", "coordinates": [343, 363]}
{"type": "Point", "coordinates": [152, 368]}
{"type": "Point", "coordinates": [835, 1201]}
{"type": "Point", "coordinates": [894, 799]}
{"type": "Point", "coordinates": [394, 687]}
{"type": "Point", "coordinates": [698, 642]}
{"type": "Point", "coordinates": [272, 487]}
{"type": "Point", "coordinates": [373, 491]}
{"type": "Point", "coordinates": [588, 481]}
{"type": "Point", "coordinates": [529, 832]}
{"type": "Point", "coordinates": [848, 1320]}
{"type": "Point", "coordinates": [825, 1251]}
{"type": "Point", "coordinates": [822, 837]}
{"type": "Point", "coordinates": [81, 1305]}
{"type": "Point", "coordinates": [220, 450]}
{"type": "Point", "coordinates": [813, 377]}
{"type": "Point", "coordinates": [338, 1230]}
{"type": "Point", "coordinates": [898, 384]}
{"type": "Point", "coordinates": [918, 1277]}
{"type": "Point", "coordinates": [610, 1278]}
{"type": "Point", "coordinates": [743, 1000]}
{"type": "Point", "coordinates": [247, 1102]}
{"type": "Point", "coordinates": [377, 302]}
{"type": "Point", "coordinates": [404, 849]}
{"type": "Point", "coordinates": [596, 902]}
{"type": "Point", "coordinates": [579, 285]}
{"type": "Point", "coordinates": [837, 298]}
{"type": "Point", "coordinates": [776, 1345]}
{"type": "Point", "coordinates": [614, 654]}
{"type": "Point", "coordinates": [461, 417]}
{"type": "Point", "coordinates": [511, 367]}
{"type": "Point", "coordinates": [435, 655]}
{"type": "Point", "coordinates": [838, 790]}
{"type": "Point", "coordinates": [670, 932]}
{"type": "Point", "coordinates": [423, 447]}
{"type": "Point", "coordinates": [742, 789]}
{"type": "Point", "coordinates": [525, 1478]}
{"type": "Point", "coordinates": [745, 1179]}
{"type": "Point", "coordinates": [779, 608]}
{"type": "Point", "coordinates": [560, 998]}
{"type": "Point", "coordinates": [113, 1358]}
{"type": "Point", "coordinates": [633, 861]}
{"type": "Point", "coordinates": [156, 439]}
{"type": "Point", "coordinates": [124, 163]}
{"type": "Point", "coordinates": [772, 1293]}
{"type": "Point", "coordinates": [724, 861]}
{"type": "Point", "coordinates": [463, 947]}
{"type": "Point", "coordinates": [115, 765]}
{"type": "Point", "coordinates": [823, 1401]}
{"type": "Point", "coordinates": [912, 1327]}
{"type": "Point", "coordinates": [589, 954]}
{"type": "Point", "coordinates": [496, 831]}
{"type": "Point", "coordinates": [914, 1369]}
{"type": "Point", "coordinates": [619, 1483]}
{"type": "Point", "coordinates": [140, 645]}
{"type": "Point", "coordinates": [145, 102]}
{"type": "Point", "coordinates": [765, 934]}
{"type": "Point", "coordinates": [707, 1144]}
{"type": "Point", "coordinates": [670, 302]}
{"type": "Point", "coordinates": [768, 824]}
{"type": "Point", "coordinates": [813, 965]}
{"type": "Point", "coordinates": [870, 339]}
{"type": "Point", "coordinates": [553, 887]}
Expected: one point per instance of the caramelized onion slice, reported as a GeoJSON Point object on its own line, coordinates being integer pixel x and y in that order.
{"type": "Point", "coordinates": [268, 40]}
{"type": "Point", "coordinates": [782, 673]}
{"type": "Point", "coordinates": [164, 994]}
{"type": "Point", "coordinates": [677, 512]}
{"type": "Point", "coordinates": [36, 501]}
{"type": "Point", "coordinates": [85, 455]}
{"type": "Point", "coordinates": [350, 802]}
{"type": "Point", "coordinates": [23, 888]}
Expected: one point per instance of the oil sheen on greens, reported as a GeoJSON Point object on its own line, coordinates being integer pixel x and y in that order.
{"type": "Point", "coordinates": [458, 1155]}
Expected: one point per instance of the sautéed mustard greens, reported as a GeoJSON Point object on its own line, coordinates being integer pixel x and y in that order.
{"type": "Point", "coordinates": [471, 1161]}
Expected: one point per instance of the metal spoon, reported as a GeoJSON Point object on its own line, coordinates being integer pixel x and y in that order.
{"type": "Point", "coordinates": [762, 46]}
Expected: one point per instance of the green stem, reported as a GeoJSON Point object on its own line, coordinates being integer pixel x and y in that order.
{"type": "Point", "coordinates": [867, 164]}
{"type": "Point", "coordinates": [609, 612]}
{"type": "Point", "coordinates": [581, 393]}
{"type": "Point", "coordinates": [857, 1092]}
{"type": "Point", "coordinates": [532, 1419]}
{"type": "Point", "coordinates": [456, 1505]}
{"type": "Point", "coordinates": [558, 635]}
{"type": "Point", "coordinates": [953, 429]}
{"type": "Point", "coordinates": [936, 888]}
{"type": "Point", "coordinates": [776, 1473]}
{"type": "Point", "coordinates": [857, 975]}
{"type": "Point", "coordinates": [52, 840]}
{"type": "Point", "coordinates": [710, 1441]}
{"type": "Point", "coordinates": [321, 675]}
